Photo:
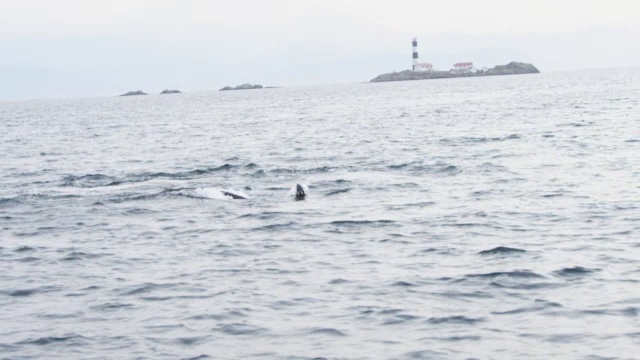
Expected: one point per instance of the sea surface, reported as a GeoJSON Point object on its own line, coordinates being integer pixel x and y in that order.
{"type": "Point", "coordinates": [486, 218]}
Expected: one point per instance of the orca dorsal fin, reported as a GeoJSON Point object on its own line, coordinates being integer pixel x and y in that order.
{"type": "Point", "coordinates": [300, 193]}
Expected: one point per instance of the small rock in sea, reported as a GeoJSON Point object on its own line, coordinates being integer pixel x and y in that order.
{"type": "Point", "coordinates": [242, 87]}
{"type": "Point", "coordinates": [131, 93]}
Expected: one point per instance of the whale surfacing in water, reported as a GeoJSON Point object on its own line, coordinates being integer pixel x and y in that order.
{"type": "Point", "coordinates": [233, 195]}
{"type": "Point", "coordinates": [299, 191]}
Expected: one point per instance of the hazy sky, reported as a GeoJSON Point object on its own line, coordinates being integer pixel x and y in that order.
{"type": "Point", "coordinates": [92, 47]}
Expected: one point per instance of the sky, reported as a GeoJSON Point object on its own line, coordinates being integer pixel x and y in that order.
{"type": "Point", "coordinates": [81, 48]}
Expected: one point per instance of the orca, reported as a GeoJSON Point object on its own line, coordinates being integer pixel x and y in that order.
{"type": "Point", "coordinates": [300, 193]}
{"type": "Point", "coordinates": [233, 196]}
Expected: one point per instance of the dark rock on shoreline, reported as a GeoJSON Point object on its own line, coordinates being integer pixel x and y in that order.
{"type": "Point", "coordinates": [512, 68]}
{"type": "Point", "coordinates": [242, 87]}
{"type": "Point", "coordinates": [167, 91]}
{"type": "Point", "coordinates": [131, 93]}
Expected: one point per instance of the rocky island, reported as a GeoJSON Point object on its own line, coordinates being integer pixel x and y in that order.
{"type": "Point", "coordinates": [512, 68]}
{"type": "Point", "coordinates": [167, 91]}
{"type": "Point", "coordinates": [131, 93]}
{"type": "Point", "coordinates": [242, 87]}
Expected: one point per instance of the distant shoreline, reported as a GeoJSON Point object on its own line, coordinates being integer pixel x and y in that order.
{"type": "Point", "coordinates": [513, 68]}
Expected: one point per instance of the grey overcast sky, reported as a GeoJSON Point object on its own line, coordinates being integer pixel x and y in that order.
{"type": "Point", "coordinates": [104, 47]}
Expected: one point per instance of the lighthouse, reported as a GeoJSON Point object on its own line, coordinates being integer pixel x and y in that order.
{"type": "Point", "coordinates": [414, 43]}
{"type": "Point", "coordinates": [418, 66]}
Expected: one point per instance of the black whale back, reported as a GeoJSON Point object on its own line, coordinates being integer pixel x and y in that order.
{"type": "Point", "coordinates": [300, 194]}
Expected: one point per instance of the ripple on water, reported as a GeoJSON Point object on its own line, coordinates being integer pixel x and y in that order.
{"type": "Point", "coordinates": [517, 274]}
{"type": "Point", "coordinates": [574, 272]}
{"type": "Point", "coordinates": [363, 223]}
{"type": "Point", "coordinates": [146, 288]}
{"type": "Point", "coordinates": [338, 281]}
{"type": "Point", "coordinates": [336, 192]}
{"type": "Point", "coordinates": [193, 340]}
{"type": "Point", "coordinates": [237, 329]}
{"type": "Point", "coordinates": [326, 332]}
{"type": "Point", "coordinates": [70, 339]}
{"type": "Point", "coordinates": [31, 291]}
{"type": "Point", "coordinates": [426, 354]}
{"type": "Point", "coordinates": [6, 202]}
{"type": "Point", "coordinates": [396, 319]}
{"type": "Point", "coordinates": [22, 249]}
{"type": "Point", "coordinates": [80, 255]}
{"type": "Point", "coordinates": [456, 320]}
{"type": "Point", "coordinates": [111, 306]}
{"type": "Point", "coordinates": [402, 284]}
{"type": "Point", "coordinates": [501, 250]}
{"type": "Point", "coordinates": [536, 306]}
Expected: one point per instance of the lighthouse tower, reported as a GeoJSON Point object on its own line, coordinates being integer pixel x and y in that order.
{"type": "Point", "coordinates": [415, 53]}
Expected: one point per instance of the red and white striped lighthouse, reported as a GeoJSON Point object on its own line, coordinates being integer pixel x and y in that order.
{"type": "Point", "coordinates": [415, 54]}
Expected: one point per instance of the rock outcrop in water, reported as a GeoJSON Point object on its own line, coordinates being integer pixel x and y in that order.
{"type": "Point", "coordinates": [512, 68]}
{"type": "Point", "coordinates": [132, 93]}
{"type": "Point", "coordinates": [166, 91]}
{"type": "Point", "coordinates": [242, 87]}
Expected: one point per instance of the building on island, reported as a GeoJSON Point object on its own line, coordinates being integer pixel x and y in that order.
{"type": "Point", "coordinates": [463, 68]}
{"type": "Point", "coordinates": [423, 67]}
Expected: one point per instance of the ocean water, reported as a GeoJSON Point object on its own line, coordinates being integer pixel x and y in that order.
{"type": "Point", "coordinates": [483, 218]}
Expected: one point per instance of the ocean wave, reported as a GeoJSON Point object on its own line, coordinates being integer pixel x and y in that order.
{"type": "Point", "coordinates": [403, 284]}
{"type": "Point", "coordinates": [401, 319]}
{"type": "Point", "coordinates": [538, 305]}
{"type": "Point", "coordinates": [25, 248]}
{"type": "Point", "coordinates": [459, 319]}
{"type": "Point", "coordinates": [74, 339]}
{"type": "Point", "coordinates": [192, 340]}
{"type": "Point", "coordinates": [101, 180]}
{"type": "Point", "coordinates": [426, 354]}
{"type": "Point", "coordinates": [203, 193]}
{"type": "Point", "coordinates": [273, 227]}
{"type": "Point", "coordinates": [501, 250]}
{"type": "Point", "coordinates": [358, 223]}
{"type": "Point", "coordinates": [79, 255]}
{"type": "Point", "coordinates": [199, 357]}
{"type": "Point", "coordinates": [146, 288]}
{"type": "Point", "coordinates": [327, 332]}
{"type": "Point", "coordinates": [439, 168]}
{"type": "Point", "coordinates": [336, 192]}
{"type": "Point", "coordinates": [338, 281]}
{"type": "Point", "coordinates": [313, 170]}
{"type": "Point", "coordinates": [111, 306]}
{"type": "Point", "coordinates": [31, 291]}
{"type": "Point", "coordinates": [575, 271]}
{"type": "Point", "coordinates": [238, 329]}
{"type": "Point", "coordinates": [471, 140]}
{"type": "Point", "coordinates": [6, 202]}
{"type": "Point", "coordinates": [490, 168]}
{"type": "Point", "coordinates": [518, 274]}
{"type": "Point", "coordinates": [89, 180]}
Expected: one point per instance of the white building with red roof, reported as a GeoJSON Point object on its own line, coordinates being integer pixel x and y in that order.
{"type": "Point", "coordinates": [462, 67]}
